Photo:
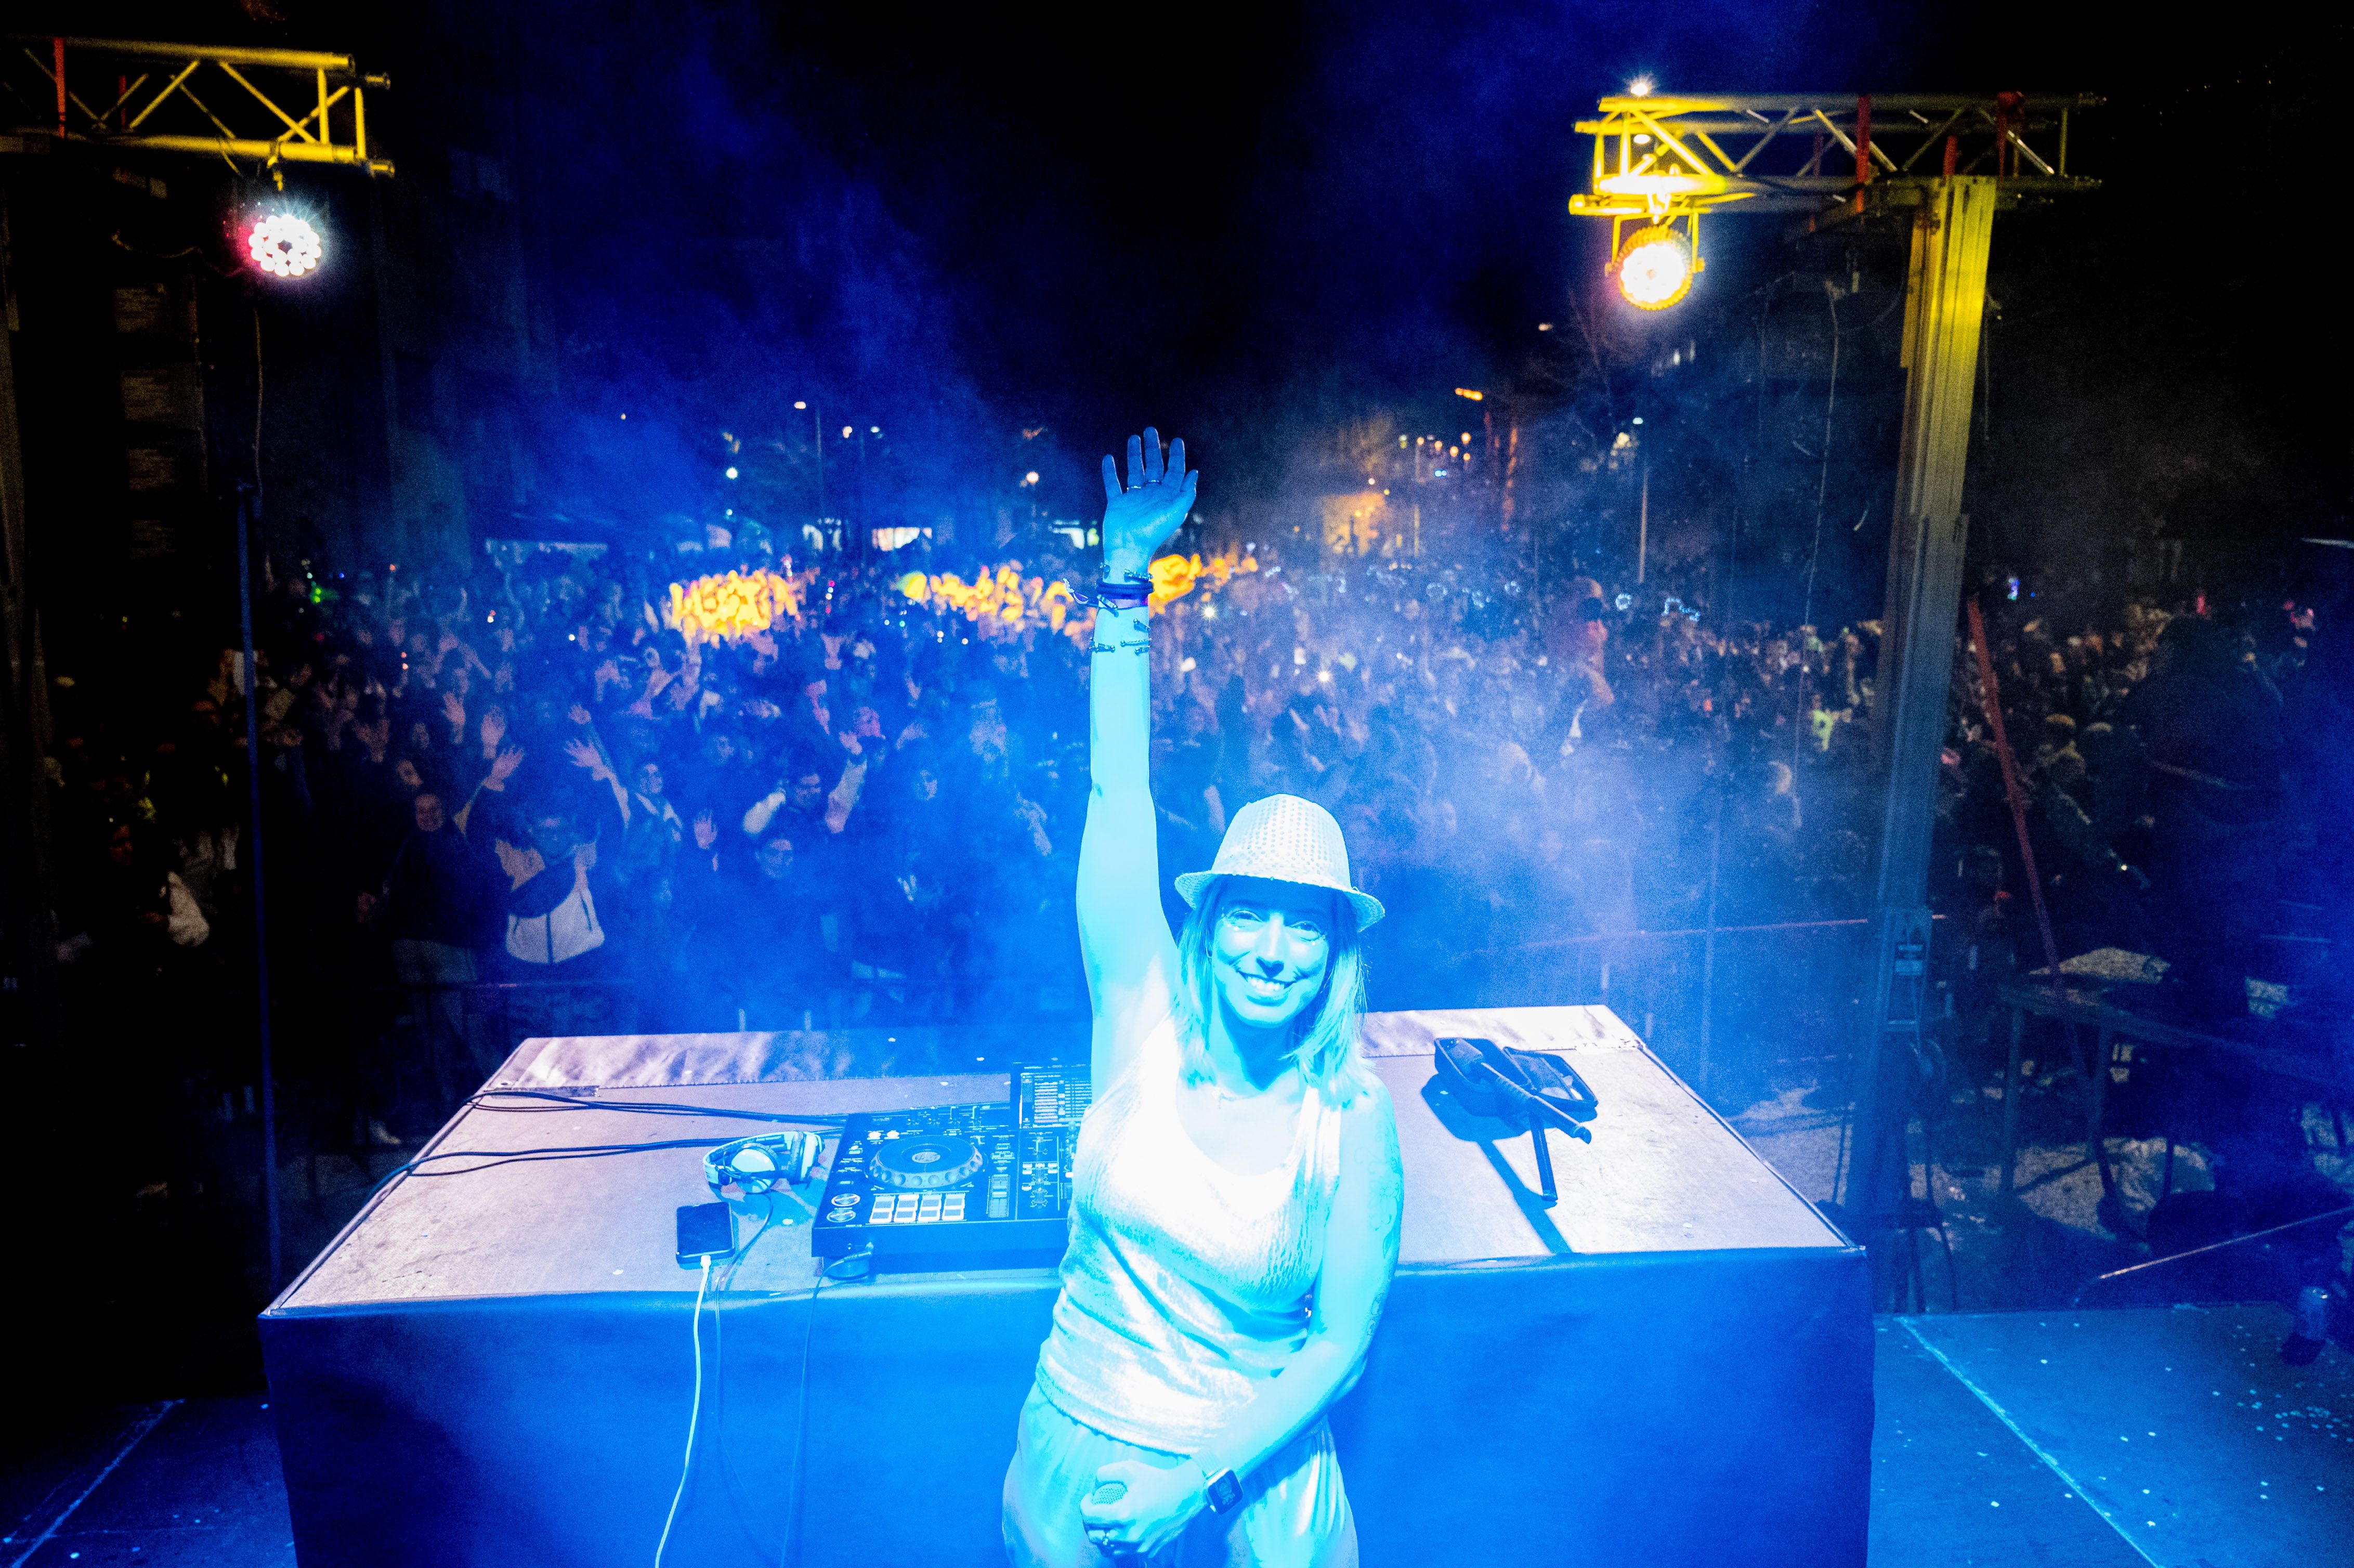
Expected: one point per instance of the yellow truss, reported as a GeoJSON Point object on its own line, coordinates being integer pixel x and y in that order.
{"type": "Point", "coordinates": [273, 106]}
{"type": "Point", "coordinates": [1664, 158]}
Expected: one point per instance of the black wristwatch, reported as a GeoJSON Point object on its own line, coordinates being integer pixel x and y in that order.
{"type": "Point", "coordinates": [1224, 1492]}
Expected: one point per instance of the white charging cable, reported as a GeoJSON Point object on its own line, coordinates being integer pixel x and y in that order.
{"type": "Point", "coordinates": [694, 1413]}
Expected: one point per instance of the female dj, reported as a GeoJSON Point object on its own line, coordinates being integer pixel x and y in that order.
{"type": "Point", "coordinates": [1235, 1188]}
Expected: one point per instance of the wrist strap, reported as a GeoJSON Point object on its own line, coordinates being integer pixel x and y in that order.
{"type": "Point", "coordinates": [1114, 594]}
{"type": "Point", "coordinates": [1222, 1491]}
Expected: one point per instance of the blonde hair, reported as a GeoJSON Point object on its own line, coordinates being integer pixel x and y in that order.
{"type": "Point", "coordinates": [1324, 1035]}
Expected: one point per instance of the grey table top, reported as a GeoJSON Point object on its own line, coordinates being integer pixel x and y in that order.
{"type": "Point", "coordinates": [1662, 1174]}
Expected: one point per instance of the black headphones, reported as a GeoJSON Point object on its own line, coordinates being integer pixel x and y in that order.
{"type": "Point", "coordinates": [761, 1164]}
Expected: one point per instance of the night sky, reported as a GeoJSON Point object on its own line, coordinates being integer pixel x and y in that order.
{"type": "Point", "coordinates": [1248, 222]}
{"type": "Point", "coordinates": [1251, 223]}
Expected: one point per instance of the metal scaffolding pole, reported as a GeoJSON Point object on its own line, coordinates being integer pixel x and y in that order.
{"type": "Point", "coordinates": [1945, 302]}
{"type": "Point", "coordinates": [247, 505]}
{"type": "Point", "coordinates": [28, 991]}
{"type": "Point", "coordinates": [1947, 162]}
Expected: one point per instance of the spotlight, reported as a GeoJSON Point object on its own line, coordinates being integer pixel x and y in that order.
{"type": "Point", "coordinates": [1655, 267]}
{"type": "Point", "coordinates": [283, 245]}
{"type": "Point", "coordinates": [731, 472]}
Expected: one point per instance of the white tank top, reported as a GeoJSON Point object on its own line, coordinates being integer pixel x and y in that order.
{"type": "Point", "coordinates": [1185, 1285]}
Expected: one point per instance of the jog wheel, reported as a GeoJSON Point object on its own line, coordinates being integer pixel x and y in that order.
{"type": "Point", "coordinates": [920, 1163]}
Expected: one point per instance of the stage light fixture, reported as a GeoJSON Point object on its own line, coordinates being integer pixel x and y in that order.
{"type": "Point", "coordinates": [1655, 267]}
{"type": "Point", "coordinates": [283, 245]}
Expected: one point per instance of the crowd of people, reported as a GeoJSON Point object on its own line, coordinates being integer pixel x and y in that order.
{"type": "Point", "coordinates": [519, 775]}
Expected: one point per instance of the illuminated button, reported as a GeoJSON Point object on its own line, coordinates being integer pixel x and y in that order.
{"type": "Point", "coordinates": [1001, 1208]}
{"type": "Point", "coordinates": [928, 1209]}
{"type": "Point", "coordinates": [952, 1206]}
{"type": "Point", "coordinates": [905, 1214]}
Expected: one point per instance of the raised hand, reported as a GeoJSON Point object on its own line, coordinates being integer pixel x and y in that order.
{"type": "Point", "coordinates": [503, 767]}
{"type": "Point", "coordinates": [706, 830]}
{"type": "Point", "coordinates": [454, 708]}
{"type": "Point", "coordinates": [494, 730]}
{"type": "Point", "coordinates": [1140, 517]}
{"type": "Point", "coordinates": [577, 713]}
{"type": "Point", "coordinates": [584, 755]}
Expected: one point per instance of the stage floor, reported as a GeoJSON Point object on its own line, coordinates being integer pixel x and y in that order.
{"type": "Point", "coordinates": [2091, 1438]}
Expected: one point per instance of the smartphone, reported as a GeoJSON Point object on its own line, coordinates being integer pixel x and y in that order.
{"type": "Point", "coordinates": [705, 1232]}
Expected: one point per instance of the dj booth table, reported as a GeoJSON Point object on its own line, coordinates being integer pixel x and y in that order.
{"type": "Point", "coordinates": [1671, 1365]}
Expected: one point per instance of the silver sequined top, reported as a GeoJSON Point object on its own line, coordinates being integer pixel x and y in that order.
{"type": "Point", "coordinates": [1185, 1285]}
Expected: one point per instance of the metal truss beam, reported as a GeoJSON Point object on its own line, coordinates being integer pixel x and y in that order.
{"type": "Point", "coordinates": [1663, 158]}
{"type": "Point", "coordinates": [271, 106]}
{"type": "Point", "coordinates": [1952, 162]}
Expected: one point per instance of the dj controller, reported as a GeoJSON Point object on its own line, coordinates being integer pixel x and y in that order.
{"type": "Point", "coordinates": [991, 1180]}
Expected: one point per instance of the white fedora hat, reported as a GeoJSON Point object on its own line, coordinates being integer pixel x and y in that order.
{"type": "Point", "coordinates": [1285, 839]}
